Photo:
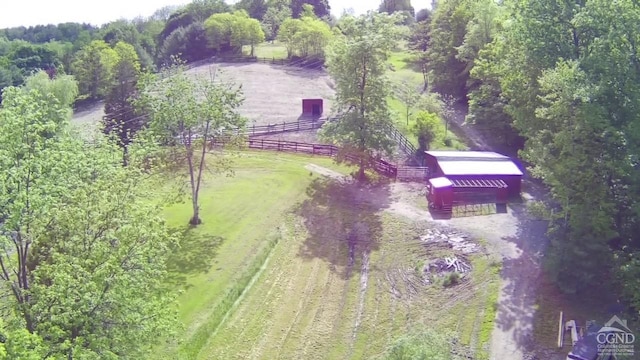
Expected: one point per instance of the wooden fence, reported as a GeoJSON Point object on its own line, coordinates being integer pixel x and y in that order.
{"type": "Point", "coordinates": [411, 173]}
{"type": "Point", "coordinates": [300, 125]}
{"type": "Point", "coordinates": [379, 165]}
{"type": "Point", "coordinates": [301, 63]}
{"type": "Point", "coordinates": [403, 143]}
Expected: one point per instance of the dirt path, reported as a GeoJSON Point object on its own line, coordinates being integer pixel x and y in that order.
{"type": "Point", "coordinates": [521, 242]}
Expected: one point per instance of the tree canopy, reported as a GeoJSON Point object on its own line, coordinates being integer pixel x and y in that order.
{"type": "Point", "coordinates": [357, 62]}
{"type": "Point", "coordinates": [305, 37]}
{"type": "Point", "coordinates": [82, 245]}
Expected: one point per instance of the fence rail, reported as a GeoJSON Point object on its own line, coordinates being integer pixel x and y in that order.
{"type": "Point", "coordinates": [302, 63]}
{"type": "Point", "coordinates": [381, 166]}
{"type": "Point", "coordinates": [413, 173]}
{"type": "Point", "coordinates": [300, 125]}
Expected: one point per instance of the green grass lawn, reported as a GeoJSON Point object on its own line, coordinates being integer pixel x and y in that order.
{"type": "Point", "coordinates": [240, 215]}
{"type": "Point", "coordinates": [273, 50]}
{"type": "Point", "coordinates": [289, 265]}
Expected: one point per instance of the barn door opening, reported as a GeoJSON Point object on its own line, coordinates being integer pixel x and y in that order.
{"type": "Point", "coordinates": [315, 109]}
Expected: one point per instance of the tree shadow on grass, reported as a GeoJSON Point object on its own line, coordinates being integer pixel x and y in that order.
{"type": "Point", "coordinates": [343, 223]}
{"type": "Point", "coordinates": [193, 255]}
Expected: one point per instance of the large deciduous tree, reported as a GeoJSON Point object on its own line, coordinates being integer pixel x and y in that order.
{"type": "Point", "coordinates": [121, 119]}
{"type": "Point", "coordinates": [357, 63]}
{"type": "Point", "coordinates": [228, 32]}
{"type": "Point", "coordinates": [255, 8]}
{"type": "Point", "coordinates": [568, 84]}
{"type": "Point", "coordinates": [277, 12]}
{"type": "Point", "coordinates": [93, 68]}
{"type": "Point", "coordinates": [195, 113]}
{"type": "Point", "coordinates": [306, 37]}
{"type": "Point", "coordinates": [320, 7]}
{"type": "Point", "coordinates": [82, 248]}
{"type": "Point", "coordinates": [448, 27]}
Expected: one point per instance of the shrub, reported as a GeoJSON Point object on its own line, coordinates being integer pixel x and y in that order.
{"type": "Point", "coordinates": [451, 279]}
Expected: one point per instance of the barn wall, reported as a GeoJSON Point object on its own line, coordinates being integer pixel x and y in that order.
{"type": "Point", "coordinates": [307, 105]}
{"type": "Point", "coordinates": [432, 164]}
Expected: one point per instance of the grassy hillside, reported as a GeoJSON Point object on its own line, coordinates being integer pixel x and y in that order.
{"type": "Point", "coordinates": [288, 264]}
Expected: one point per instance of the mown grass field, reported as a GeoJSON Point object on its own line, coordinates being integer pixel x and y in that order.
{"type": "Point", "coordinates": [291, 265]}
{"type": "Point", "coordinates": [270, 50]}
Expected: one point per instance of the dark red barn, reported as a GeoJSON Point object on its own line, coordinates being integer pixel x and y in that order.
{"type": "Point", "coordinates": [475, 174]}
{"type": "Point", "coordinates": [312, 107]}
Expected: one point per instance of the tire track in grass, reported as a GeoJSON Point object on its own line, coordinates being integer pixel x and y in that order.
{"type": "Point", "coordinates": [302, 304]}
{"type": "Point", "coordinates": [232, 341]}
{"type": "Point", "coordinates": [262, 321]}
{"type": "Point", "coordinates": [342, 317]}
{"type": "Point", "coordinates": [269, 299]}
{"type": "Point", "coordinates": [327, 311]}
{"type": "Point", "coordinates": [218, 347]}
{"type": "Point", "coordinates": [364, 279]}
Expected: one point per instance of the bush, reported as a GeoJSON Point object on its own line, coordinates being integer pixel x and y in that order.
{"type": "Point", "coordinates": [451, 279]}
{"type": "Point", "coordinates": [426, 344]}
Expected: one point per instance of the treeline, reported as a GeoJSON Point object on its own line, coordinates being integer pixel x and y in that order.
{"type": "Point", "coordinates": [193, 32]}
{"type": "Point", "coordinates": [558, 81]}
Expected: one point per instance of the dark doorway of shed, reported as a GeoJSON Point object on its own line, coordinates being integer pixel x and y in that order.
{"type": "Point", "coordinates": [316, 110]}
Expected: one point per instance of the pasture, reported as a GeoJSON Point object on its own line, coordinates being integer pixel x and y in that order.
{"type": "Point", "coordinates": [290, 263]}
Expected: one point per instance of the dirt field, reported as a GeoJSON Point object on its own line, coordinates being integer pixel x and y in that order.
{"type": "Point", "coordinates": [273, 93]}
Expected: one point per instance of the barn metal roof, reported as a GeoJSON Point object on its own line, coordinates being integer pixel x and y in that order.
{"type": "Point", "coordinates": [479, 167]}
{"type": "Point", "coordinates": [467, 155]}
{"type": "Point", "coordinates": [440, 182]}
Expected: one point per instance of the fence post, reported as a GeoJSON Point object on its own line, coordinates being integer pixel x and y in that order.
{"type": "Point", "coordinates": [298, 125]}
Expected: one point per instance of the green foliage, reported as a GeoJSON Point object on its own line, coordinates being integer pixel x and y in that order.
{"type": "Point", "coordinates": [357, 63]}
{"type": "Point", "coordinates": [255, 8]}
{"type": "Point", "coordinates": [422, 345]}
{"type": "Point", "coordinates": [83, 248]}
{"type": "Point", "coordinates": [273, 19]}
{"type": "Point", "coordinates": [59, 92]}
{"type": "Point", "coordinates": [121, 119]}
{"type": "Point", "coordinates": [93, 68]}
{"type": "Point", "coordinates": [448, 28]}
{"type": "Point", "coordinates": [228, 32]}
{"type": "Point", "coordinates": [428, 129]}
{"type": "Point", "coordinates": [480, 31]}
{"type": "Point", "coordinates": [399, 6]}
{"type": "Point", "coordinates": [452, 278]}
{"type": "Point", "coordinates": [193, 112]}
{"type": "Point", "coordinates": [321, 8]}
{"type": "Point", "coordinates": [20, 344]}
{"type": "Point", "coordinates": [560, 83]}
{"type": "Point", "coordinates": [306, 37]}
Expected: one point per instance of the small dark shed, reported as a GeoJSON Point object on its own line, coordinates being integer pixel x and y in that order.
{"type": "Point", "coordinates": [312, 107]}
{"type": "Point", "coordinates": [476, 170]}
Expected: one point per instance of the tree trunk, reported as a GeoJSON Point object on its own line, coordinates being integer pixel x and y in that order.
{"type": "Point", "coordinates": [361, 174]}
{"type": "Point", "coordinates": [195, 219]}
